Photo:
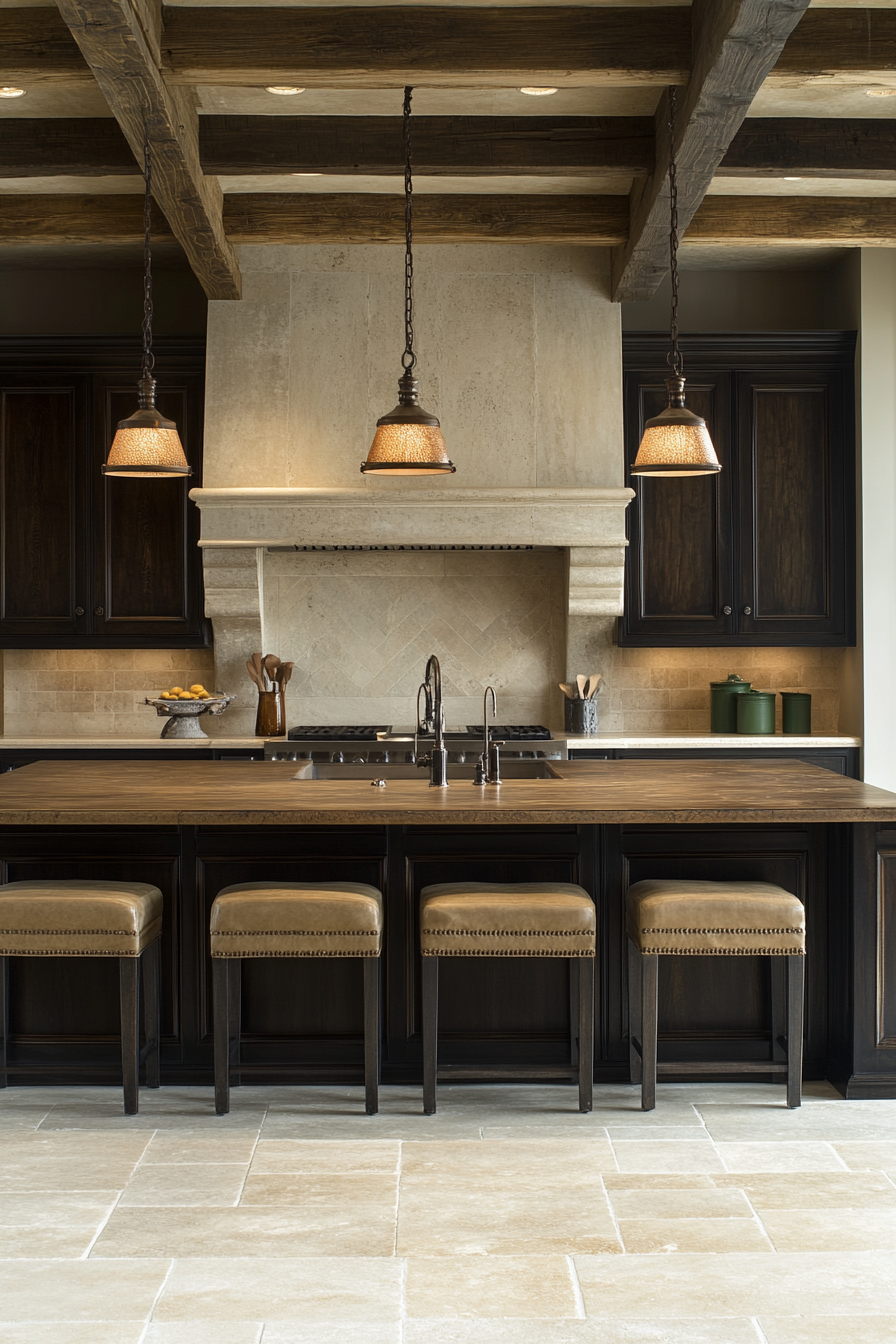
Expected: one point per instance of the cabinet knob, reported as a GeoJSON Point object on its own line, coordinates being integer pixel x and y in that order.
{"type": "Point", "coordinates": [79, 611]}
{"type": "Point", "coordinates": [748, 611]}
{"type": "Point", "coordinates": [726, 611]}
{"type": "Point", "coordinates": [98, 611]}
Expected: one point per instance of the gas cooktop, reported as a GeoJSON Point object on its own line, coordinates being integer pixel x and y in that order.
{"type": "Point", "coordinates": [508, 732]}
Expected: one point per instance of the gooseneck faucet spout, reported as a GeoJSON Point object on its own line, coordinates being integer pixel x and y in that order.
{"type": "Point", "coordinates": [433, 722]}
{"type": "Point", "coordinates": [488, 769]}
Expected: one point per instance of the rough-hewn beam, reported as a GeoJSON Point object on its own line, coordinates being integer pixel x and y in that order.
{"type": "Point", "coordinates": [367, 218]}
{"type": "Point", "coordinates": [427, 44]}
{"type": "Point", "coordinates": [772, 147]}
{"type": "Point", "coordinates": [850, 221]}
{"type": "Point", "coordinates": [735, 44]}
{"type": "Point", "coordinates": [37, 48]}
{"type": "Point", "coordinates": [846, 44]}
{"type": "Point", "coordinates": [117, 39]}
{"type": "Point", "coordinates": [61, 146]}
{"type": "Point", "coordinates": [465, 146]}
{"type": "Point", "coordinates": [595, 220]}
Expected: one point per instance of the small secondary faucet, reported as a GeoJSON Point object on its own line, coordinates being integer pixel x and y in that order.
{"type": "Point", "coordinates": [488, 767]}
{"type": "Point", "coordinates": [433, 721]}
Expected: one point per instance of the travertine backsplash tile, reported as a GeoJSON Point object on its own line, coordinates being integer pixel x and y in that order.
{"type": "Point", "coordinates": [90, 692]}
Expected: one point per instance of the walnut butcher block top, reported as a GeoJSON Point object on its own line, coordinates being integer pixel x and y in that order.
{"type": "Point", "coordinates": [193, 793]}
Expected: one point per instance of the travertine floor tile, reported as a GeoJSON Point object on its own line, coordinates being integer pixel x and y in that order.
{"type": "Point", "coordinates": [821, 1121]}
{"type": "Point", "coordinates": [579, 1332]}
{"type": "Point", "coordinates": [71, 1332]}
{"type": "Point", "coordinates": [68, 1162]}
{"type": "Point", "coordinates": [520, 1162]}
{"type": "Point", "coordinates": [829, 1329]}
{"type": "Point", "coordinates": [351, 1290]}
{"type": "Point", "coordinates": [79, 1290]}
{"type": "Point", "coordinates": [334, 1157]}
{"type": "Point", "coordinates": [680, 1204]}
{"type": "Point", "coordinates": [650, 1236]}
{"type": "Point", "coordinates": [658, 1133]}
{"type": "Point", "coordinates": [169, 1148]}
{"type": "Point", "coordinates": [502, 1286]}
{"type": "Point", "coordinates": [779, 1157]}
{"type": "Point", "coordinates": [184, 1184]}
{"type": "Point", "coordinates": [667, 1157]}
{"type": "Point", "coordinates": [55, 1210]}
{"type": "Point", "coordinates": [22, 1117]}
{"type": "Point", "coordinates": [829, 1230]}
{"type": "Point", "coordinates": [281, 1332]}
{"type": "Point", "coordinates": [433, 1220]}
{"type": "Point", "coordinates": [198, 1115]}
{"type": "Point", "coordinates": [670, 1286]}
{"type": "Point", "coordinates": [814, 1190]}
{"type": "Point", "coordinates": [868, 1156]}
{"type": "Point", "coordinates": [665, 1180]}
{"type": "Point", "coordinates": [44, 1243]}
{"type": "Point", "coordinates": [322, 1190]}
{"type": "Point", "coordinates": [204, 1332]}
{"type": "Point", "coordinates": [355, 1229]}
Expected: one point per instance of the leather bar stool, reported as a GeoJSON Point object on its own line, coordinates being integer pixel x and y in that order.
{"type": "Point", "coordinates": [711, 919]}
{"type": "Point", "coordinates": [497, 919]}
{"type": "Point", "coordinates": [92, 919]}
{"type": "Point", "coordinates": [291, 919]}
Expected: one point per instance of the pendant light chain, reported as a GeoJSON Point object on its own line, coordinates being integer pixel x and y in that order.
{"type": "Point", "coordinates": [674, 356]}
{"type": "Point", "coordinates": [148, 358]}
{"type": "Point", "coordinates": [408, 359]}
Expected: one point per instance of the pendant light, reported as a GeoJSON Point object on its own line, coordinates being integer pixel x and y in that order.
{"type": "Point", "coordinates": [408, 441]}
{"type": "Point", "coordinates": [146, 444]}
{"type": "Point", "coordinates": [677, 442]}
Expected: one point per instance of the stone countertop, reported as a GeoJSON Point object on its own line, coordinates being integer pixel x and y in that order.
{"type": "Point", "coordinates": [247, 793]}
{"type": "Point", "coordinates": [11, 743]}
{"type": "Point", "coordinates": [657, 741]}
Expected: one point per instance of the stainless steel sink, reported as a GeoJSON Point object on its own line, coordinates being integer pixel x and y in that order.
{"type": "Point", "coordinates": [510, 769]}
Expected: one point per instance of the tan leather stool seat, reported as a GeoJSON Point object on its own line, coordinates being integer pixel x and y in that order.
{"type": "Point", "coordinates": [78, 918]}
{"type": "Point", "coordinates": [498, 919]}
{"type": "Point", "coordinates": [709, 919]}
{"type": "Point", "coordinates": [293, 919]}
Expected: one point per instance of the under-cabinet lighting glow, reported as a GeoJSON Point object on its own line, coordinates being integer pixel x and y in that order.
{"type": "Point", "coordinates": [535, 91]}
{"type": "Point", "coordinates": [10, 91]}
{"type": "Point", "coordinates": [285, 90]}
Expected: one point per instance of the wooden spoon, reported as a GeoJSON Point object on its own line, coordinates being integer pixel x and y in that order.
{"type": "Point", "coordinates": [271, 663]}
{"type": "Point", "coordinates": [580, 682]}
{"type": "Point", "coordinates": [568, 689]}
{"type": "Point", "coordinates": [594, 684]}
{"type": "Point", "coordinates": [258, 664]}
{"type": "Point", "coordinates": [285, 672]}
{"type": "Point", "coordinates": [250, 668]}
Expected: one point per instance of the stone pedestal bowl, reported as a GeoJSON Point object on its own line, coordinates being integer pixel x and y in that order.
{"type": "Point", "coordinates": [183, 715]}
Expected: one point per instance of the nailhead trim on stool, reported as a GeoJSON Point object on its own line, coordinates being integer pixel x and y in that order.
{"type": "Point", "coordinates": [86, 918]}
{"type": "Point", "coordinates": [298, 920]}
{"type": "Point", "coordinates": [499, 919]}
{"type": "Point", "coordinates": [682, 918]}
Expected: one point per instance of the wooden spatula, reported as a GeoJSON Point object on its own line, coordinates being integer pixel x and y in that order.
{"type": "Point", "coordinates": [250, 668]}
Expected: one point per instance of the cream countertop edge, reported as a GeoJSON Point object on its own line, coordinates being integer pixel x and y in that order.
{"type": "Point", "coordinates": [717, 740]}
{"type": "Point", "coordinates": [129, 743]}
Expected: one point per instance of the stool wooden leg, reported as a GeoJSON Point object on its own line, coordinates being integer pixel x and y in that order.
{"type": "Point", "coordinates": [235, 1016]}
{"type": "Point", "coordinates": [4, 1016]}
{"type": "Point", "coordinates": [586, 1032]}
{"type": "Point", "coordinates": [634, 1012]}
{"type": "Point", "coordinates": [371, 1033]}
{"type": "Point", "coordinates": [221, 1031]}
{"type": "Point", "coordinates": [574, 1010]}
{"type": "Point", "coordinates": [796, 978]}
{"type": "Point", "coordinates": [151, 963]}
{"type": "Point", "coordinates": [430, 988]}
{"type": "Point", "coordinates": [128, 972]}
{"type": "Point", "coordinates": [648, 1031]}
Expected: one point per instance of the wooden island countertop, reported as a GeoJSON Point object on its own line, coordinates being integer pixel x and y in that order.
{"type": "Point", "coordinates": [238, 793]}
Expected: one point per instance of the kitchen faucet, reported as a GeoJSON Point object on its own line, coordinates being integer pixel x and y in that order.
{"type": "Point", "coordinates": [433, 721]}
{"type": "Point", "coordinates": [488, 767]}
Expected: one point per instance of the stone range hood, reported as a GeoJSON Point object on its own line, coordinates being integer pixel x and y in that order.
{"type": "Point", "coordinates": [240, 525]}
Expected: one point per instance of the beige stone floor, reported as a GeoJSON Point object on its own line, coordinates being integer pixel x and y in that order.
{"type": "Point", "coordinates": [508, 1218]}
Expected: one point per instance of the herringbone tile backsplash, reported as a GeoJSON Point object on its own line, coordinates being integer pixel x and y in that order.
{"type": "Point", "coordinates": [360, 625]}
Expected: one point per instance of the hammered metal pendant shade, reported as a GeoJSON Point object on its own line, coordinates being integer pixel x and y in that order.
{"type": "Point", "coordinates": [676, 442]}
{"type": "Point", "coordinates": [146, 444]}
{"type": "Point", "coordinates": [408, 441]}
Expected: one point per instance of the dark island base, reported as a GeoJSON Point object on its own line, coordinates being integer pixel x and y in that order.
{"type": "Point", "coordinates": [499, 1018]}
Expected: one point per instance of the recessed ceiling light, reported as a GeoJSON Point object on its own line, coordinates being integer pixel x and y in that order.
{"type": "Point", "coordinates": [535, 91]}
{"type": "Point", "coordinates": [10, 91]}
{"type": "Point", "coordinates": [793, 179]}
{"type": "Point", "coordinates": [881, 93]}
{"type": "Point", "coordinates": [285, 89]}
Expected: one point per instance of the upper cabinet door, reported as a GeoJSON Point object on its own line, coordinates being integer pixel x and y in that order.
{"type": "Point", "coordinates": [43, 579]}
{"type": "Point", "coordinates": [147, 582]}
{"type": "Point", "coordinates": [678, 571]}
{"type": "Point", "coordinates": [797, 559]}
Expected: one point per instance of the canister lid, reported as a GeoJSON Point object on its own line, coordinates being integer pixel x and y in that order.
{"type": "Point", "coordinates": [732, 680]}
{"type": "Point", "coordinates": [766, 695]}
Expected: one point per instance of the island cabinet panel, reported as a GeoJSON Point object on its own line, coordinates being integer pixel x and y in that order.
{"type": "Point", "coordinates": [762, 553]}
{"type": "Point", "coordinates": [90, 561]}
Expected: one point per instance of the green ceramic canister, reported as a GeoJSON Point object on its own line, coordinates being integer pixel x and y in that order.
{"type": "Point", "coordinates": [797, 713]}
{"type": "Point", "coordinates": [723, 698]}
{"type": "Point", "coordinates": [756, 712]}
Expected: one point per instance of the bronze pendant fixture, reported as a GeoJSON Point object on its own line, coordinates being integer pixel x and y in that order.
{"type": "Point", "coordinates": [676, 442]}
{"type": "Point", "coordinates": [146, 444]}
{"type": "Point", "coordinates": [408, 441]}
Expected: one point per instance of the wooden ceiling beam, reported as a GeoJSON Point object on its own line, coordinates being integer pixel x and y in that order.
{"type": "Point", "coordinates": [854, 45]}
{"type": "Point", "coordinates": [848, 221]}
{"type": "Point", "coordinates": [42, 220]}
{"type": "Point", "coordinates": [809, 147]}
{"type": "Point", "coordinates": [37, 50]}
{"type": "Point", "coordinates": [429, 44]}
{"type": "Point", "coordinates": [119, 41]}
{"type": "Point", "coordinates": [735, 44]}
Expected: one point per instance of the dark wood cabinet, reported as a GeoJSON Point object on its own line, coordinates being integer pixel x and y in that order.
{"type": "Point", "coordinates": [762, 553]}
{"type": "Point", "coordinates": [86, 561]}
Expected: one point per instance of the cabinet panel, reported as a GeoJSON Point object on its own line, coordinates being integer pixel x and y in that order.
{"type": "Point", "coordinates": [41, 507]}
